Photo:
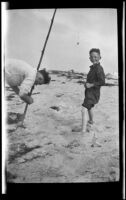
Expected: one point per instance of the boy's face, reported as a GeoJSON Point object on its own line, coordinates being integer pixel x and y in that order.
{"type": "Point", "coordinates": [39, 79]}
{"type": "Point", "coordinates": [95, 57]}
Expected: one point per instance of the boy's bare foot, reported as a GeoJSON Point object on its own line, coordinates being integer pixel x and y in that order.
{"type": "Point", "coordinates": [78, 129]}
{"type": "Point", "coordinates": [89, 126]}
{"type": "Point", "coordinates": [94, 142]}
{"type": "Point", "coordinates": [83, 130]}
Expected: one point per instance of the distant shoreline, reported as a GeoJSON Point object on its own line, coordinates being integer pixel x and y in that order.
{"type": "Point", "coordinates": [71, 74]}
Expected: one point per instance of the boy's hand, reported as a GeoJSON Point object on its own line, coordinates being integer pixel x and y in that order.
{"type": "Point", "coordinates": [89, 85]}
{"type": "Point", "coordinates": [27, 99]}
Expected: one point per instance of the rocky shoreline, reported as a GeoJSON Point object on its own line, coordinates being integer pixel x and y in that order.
{"type": "Point", "coordinates": [110, 81]}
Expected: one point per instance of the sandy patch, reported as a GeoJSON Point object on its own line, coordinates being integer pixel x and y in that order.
{"type": "Point", "coordinates": [48, 151]}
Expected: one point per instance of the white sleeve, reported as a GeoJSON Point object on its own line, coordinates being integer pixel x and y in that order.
{"type": "Point", "coordinates": [27, 83]}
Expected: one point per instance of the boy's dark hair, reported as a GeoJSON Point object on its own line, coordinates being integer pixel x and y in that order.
{"type": "Point", "coordinates": [94, 50]}
{"type": "Point", "coordinates": [47, 78]}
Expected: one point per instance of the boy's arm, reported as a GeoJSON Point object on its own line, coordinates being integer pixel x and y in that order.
{"type": "Point", "coordinates": [26, 86]}
{"type": "Point", "coordinates": [28, 99]}
{"type": "Point", "coordinates": [101, 77]}
{"type": "Point", "coordinates": [23, 96]}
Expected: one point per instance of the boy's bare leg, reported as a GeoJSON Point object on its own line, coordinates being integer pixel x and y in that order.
{"type": "Point", "coordinates": [90, 121]}
{"type": "Point", "coordinates": [90, 114]}
{"type": "Point", "coordinates": [94, 141]}
{"type": "Point", "coordinates": [84, 119]}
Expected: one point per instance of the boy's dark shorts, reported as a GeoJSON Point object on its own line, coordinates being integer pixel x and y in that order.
{"type": "Point", "coordinates": [92, 97]}
{"type": "Point", "coordinates": [87, 105]}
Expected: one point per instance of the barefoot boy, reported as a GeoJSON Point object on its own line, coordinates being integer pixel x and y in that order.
{"type": "Point", "coordinates": [95, 79]}
{"type": "Point", "coordinates": [20, 76]}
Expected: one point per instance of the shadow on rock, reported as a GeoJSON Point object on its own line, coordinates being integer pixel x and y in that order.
{"type": "Point", "coordinates": [59, 95]}
{"type": "Point", "coordinates": [13, 118]}
{"type": "Point", "coordinates": [10, 176]}
{"type": "Point", "coordinates": [8, 88]}
{"type": "Point", "coordinates": [23, 149]}
{"type": "Point", "coordinates": [36, 93]}
{"type": "Point", "coordinates": [73, 144]}
{"type": "Point", "coordinates": [10, 97]}
{"type": "Point", "coordinates": [11, 130]}
{"type": "Point", "coordinates": [55, 108]}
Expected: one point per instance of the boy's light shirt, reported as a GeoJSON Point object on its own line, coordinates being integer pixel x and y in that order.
{"type": "Point", "coordinates": [19, 73]}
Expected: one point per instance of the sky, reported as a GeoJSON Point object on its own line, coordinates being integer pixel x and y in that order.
{"type": "Point", "coordinates": [74, 33]}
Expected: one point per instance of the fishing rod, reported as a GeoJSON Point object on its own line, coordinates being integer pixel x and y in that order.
{"type": "Point", "coordinates": [43, 50]}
